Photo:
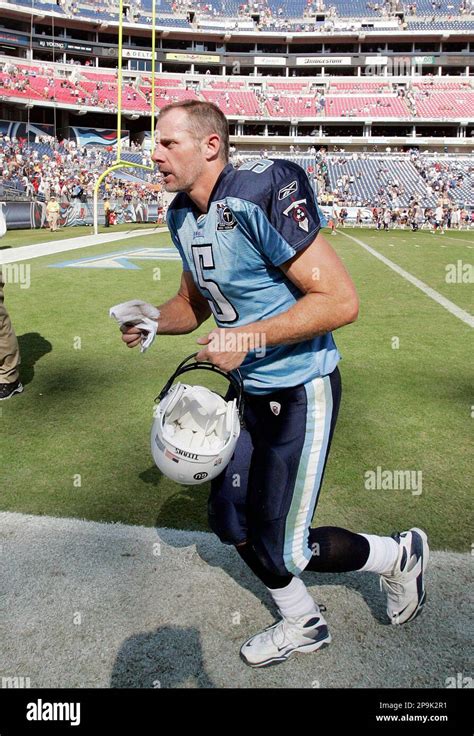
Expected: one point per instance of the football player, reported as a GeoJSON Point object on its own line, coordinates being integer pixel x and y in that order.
{"type": "Point", "coordinates": [253, 257]}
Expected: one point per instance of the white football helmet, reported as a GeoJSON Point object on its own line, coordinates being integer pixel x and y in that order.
{"type": "Point", "coordinates": [195, 430]}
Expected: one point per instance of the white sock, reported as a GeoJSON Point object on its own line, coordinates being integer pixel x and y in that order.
{"type": "Point", "coordinates": [383, 554]}
{"type": "Point", "coordinates": [294, 599]}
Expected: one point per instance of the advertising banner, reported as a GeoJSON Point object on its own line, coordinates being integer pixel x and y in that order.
{"type": "Point", "coordinates": [13, 39]}
{"type": "Point", "coordinates": [270, 60]}
{"type": "Point", "coordinates": [323, 61]}
{"type": "Point", "coordinates": [25, 215]}
{"type": "Point", "coordinates": [198, 58]}
{"type": "Point", "coordinates": [21, 130]}
{"type": "Point", "coordinates": [95, 136]}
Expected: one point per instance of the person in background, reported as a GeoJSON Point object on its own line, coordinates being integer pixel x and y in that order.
{"type": "Point", "coordinates": [10, 383]}
{"type": "Point", "coordinates": [107, 211]}
{"type": "Point", "coordinates": [52, 213]}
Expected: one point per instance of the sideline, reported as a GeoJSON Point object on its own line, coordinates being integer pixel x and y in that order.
{"type": "Point", "coordinates": [28, 252]}
{"type": "Point", "coordinates": [94, 605]}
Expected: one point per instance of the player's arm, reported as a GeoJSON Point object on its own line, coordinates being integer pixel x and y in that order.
{"type": "Point", "coordinates": [185, 311]}
{"type": "Point", "coordinates": [181, 314]}
{"type": "Point", "coordinates": [329, 298]}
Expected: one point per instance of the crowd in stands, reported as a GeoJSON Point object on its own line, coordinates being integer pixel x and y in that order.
{"type": "Point", "coordinates": [133, 11]}
{"type": "Point", "coordinates": [267, 15]}
{"type": "Point", "coordinates": [270, 14]}
{"type": "Point", "coordinates": [49, 167]}
{"type": "Point", "coordinates": [429, 98]}
{"type": "Point", "coordinates": [441, 178]}
{"type": "Point", "coordinates": [342, 179]}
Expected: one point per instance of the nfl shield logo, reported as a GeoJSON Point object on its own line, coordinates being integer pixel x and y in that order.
{"type": "Point", "coordinates": [225, 218]}
{"type": "Point", "coordinates": [275, 407]}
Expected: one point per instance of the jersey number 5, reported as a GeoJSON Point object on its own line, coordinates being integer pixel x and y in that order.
{"type": "Point", "coordinates": [221, 308]}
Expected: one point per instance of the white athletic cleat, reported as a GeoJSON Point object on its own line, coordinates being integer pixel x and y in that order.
{"type": "Point", "coordinates": [405, 587]}
{"type": "Point", "coordinates": [275, 643]}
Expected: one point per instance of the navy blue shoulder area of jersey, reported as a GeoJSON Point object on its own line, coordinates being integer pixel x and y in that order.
{"type": "Point", "coordinates": [180, 202]}
{"type": "Point", "coordinates": [258, 181]}
{"type": "Point", "coordinates": [280, 189]}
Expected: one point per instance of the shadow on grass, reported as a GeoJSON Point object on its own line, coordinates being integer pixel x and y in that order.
{"type": "Point", "coordinates": [165, 658]}
{"type": "Point", "coordinates": [184, 509]}
{"type": "Point", "coordinates": [32, 348]}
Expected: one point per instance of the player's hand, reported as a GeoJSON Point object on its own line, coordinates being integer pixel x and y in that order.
{"type": "Point", "coordinates": [131, 336]}
{"type": "Point", "coordinates": [221, 349]}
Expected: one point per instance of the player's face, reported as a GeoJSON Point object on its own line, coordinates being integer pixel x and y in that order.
{"type": "Point", "coordinates": [177, 152]}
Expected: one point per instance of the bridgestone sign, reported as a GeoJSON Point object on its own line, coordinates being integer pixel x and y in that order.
{"type": "Point", "coordinates": [323, 61]}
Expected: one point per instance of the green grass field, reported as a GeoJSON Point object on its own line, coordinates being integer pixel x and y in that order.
{"type": "Point", "coordinates": [76, 442]}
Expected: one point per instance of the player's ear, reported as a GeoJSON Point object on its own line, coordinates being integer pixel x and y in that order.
{"type": "Point", "coordinates": [212, 147]}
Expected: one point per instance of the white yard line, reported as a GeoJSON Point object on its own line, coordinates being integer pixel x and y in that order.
{"type": "Point", "coordinates": [459, 240]}
{"type": "Point", "coordinates": [27, 252]}
{"type": "Point", "coordinates": [435, 295]}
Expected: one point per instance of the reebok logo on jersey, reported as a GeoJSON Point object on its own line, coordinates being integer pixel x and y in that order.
{"type": "Point", "coordinates": [298, 213]}
{"type": "Point", "coordinates": [275, 407]}
{"type": "Point", "coordinates": [287, 190]}
{"type": "Point", "coordinates": [225, 218]}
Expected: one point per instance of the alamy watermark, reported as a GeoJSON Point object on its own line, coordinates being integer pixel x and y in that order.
{"type": "Point", "coordinates": [231, 341]}
{"type": "Point", "coordinates": [406, 66]}
{"type": "Point", "coordinates": [459, 681]}
{"type": "Point", "coordinates": [394, 480]}
{"type": "Point", "coordinates": [16, 682]}
{"type": "Point", "coordinates": [459, 273]}
{"type": "Point", "coordinates": [17, 273]}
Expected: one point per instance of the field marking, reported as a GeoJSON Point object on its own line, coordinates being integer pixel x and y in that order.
{"type": "Point", "coordinates": [435, 295]}
{"type": "Point", "coordinates": [460, 240]}
{"type": "Point", "coordinates": [122, 259]}
{"type": "Point", "coordinates": [28, 252]}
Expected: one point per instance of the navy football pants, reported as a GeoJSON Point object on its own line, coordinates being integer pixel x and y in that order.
{"type": "Point", "coordinates": [268, 493]}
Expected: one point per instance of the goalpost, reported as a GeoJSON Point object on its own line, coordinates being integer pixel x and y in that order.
{"type": "Point", "coordinates": [119, 163]}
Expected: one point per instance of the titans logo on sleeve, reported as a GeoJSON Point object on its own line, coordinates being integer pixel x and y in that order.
{"type": "Point", "coordinates": [258, 217]}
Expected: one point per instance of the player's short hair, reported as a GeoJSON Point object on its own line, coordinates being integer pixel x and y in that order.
{"type": "Point", "coordinates": [205, 118]}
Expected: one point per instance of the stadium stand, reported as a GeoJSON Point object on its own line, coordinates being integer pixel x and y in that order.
{"type": "Point", "coordinates": [360, 99]}
{"type": "Point", "coordinates": [357, 106]}
{"type": "Point", "coordinates": [333, 101]}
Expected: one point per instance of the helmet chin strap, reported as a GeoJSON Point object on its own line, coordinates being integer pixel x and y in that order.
{"type": "Point", "coordinates": [236, 382]}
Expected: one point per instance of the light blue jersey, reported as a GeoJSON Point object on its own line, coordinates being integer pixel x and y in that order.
{"type": "Point", "coordinates": [259, 216]}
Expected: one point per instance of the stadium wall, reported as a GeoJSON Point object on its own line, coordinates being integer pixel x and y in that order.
{"type": "Point", "coordinates": [25, 215]}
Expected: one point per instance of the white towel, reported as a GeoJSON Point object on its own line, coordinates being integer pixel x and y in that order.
{"type": "Point", "coordinates": [138, 314]}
